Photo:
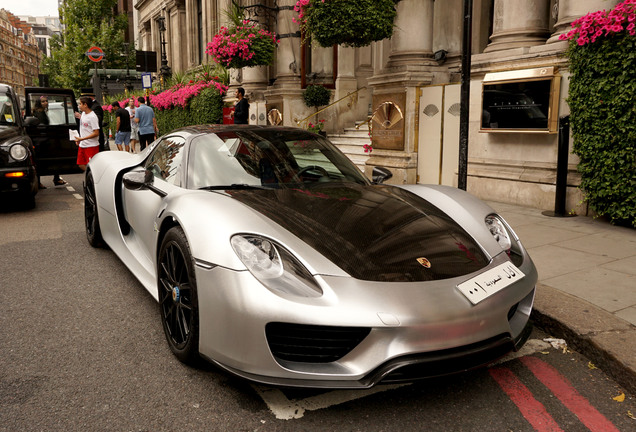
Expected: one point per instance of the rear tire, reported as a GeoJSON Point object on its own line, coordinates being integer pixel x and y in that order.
{"type": "Point", "coordinates": [178, 297]}
{"type": "Point", "coordinates": [93, 230]}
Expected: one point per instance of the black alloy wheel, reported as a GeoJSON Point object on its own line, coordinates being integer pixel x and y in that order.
{"type": "Point", "coordinates": [93, 231]}
{"type": "Point", "coordinates": [178, 299]}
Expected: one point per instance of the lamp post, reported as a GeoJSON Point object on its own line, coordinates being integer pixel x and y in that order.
{"type": "Point", "coordinates": [127, 84]}
{"type": "Point", "coordinates": [165, 70]}
{"type": "Point", "coordinates": [462, 175]}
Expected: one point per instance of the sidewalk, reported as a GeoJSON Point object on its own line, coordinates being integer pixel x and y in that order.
{"type": "Point", "coordinates": [586, 293]}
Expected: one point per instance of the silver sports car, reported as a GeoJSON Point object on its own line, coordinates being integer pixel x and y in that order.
{"type": "Point", "coordinates": [272, 256]}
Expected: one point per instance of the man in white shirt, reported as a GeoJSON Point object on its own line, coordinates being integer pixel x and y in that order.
{"type": "Point", "coordinates": [88, 141]}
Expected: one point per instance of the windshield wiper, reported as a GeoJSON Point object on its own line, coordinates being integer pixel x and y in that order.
{"type": "Point", "coordinates": [235, 186]}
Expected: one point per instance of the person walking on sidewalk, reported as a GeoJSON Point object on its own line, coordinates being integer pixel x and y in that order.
{"type": "Point", "coordinates": [96, 107]}
{"type": "Point", "coordinates": [145, 117]}
{"type": "Point", "coordinates": [88, 141]}
{"type": "Point", "coordinates": [122, 128]}
{"type": "Point", "coordinates": [134, 127]}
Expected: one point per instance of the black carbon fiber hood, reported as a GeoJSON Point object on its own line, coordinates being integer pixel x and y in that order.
{"type": "Point", "coordinates": [375, 233]}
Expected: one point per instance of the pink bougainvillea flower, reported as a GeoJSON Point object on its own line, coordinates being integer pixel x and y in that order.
{"type": "Point", "coordinates": [603, 23]}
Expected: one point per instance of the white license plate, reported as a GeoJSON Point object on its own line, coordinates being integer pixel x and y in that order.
{"type": "Point", "coordinates": [486, 284]}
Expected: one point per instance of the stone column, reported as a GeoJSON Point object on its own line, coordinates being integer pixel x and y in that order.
{"type": "Point", "coordinates": [286, 95]}
{"type": "Point", "coordinates": [409, 66]}
{"type": "Point", "coordinates": [255, 78]}
{"type": "Point", "coordinates": [346, 83]}
{"type": "Point", "coordinates": [288, 53]}
{"type": "Point", "coordinates": [519, 23]}
{"type": "Point", "coordinates": [570, 10]}
{"type": "Point", "coordinates": [412, 41]}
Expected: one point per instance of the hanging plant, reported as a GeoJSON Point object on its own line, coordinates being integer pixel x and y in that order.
{"type": "Point", "coordinates": [316, 96]}
{"type": "Point", "coordinates": [354, 23]}
{"type": "Point", "coordinates": [244, 45]}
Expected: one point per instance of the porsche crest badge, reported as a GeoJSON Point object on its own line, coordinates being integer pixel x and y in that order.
{"type": "Point", "coordinates": [424, 262]}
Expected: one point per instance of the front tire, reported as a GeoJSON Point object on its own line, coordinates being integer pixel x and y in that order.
{"type": "Point", "coordinates": [93, 231]}
{"type": "Point", "coordinates": [178, 299]}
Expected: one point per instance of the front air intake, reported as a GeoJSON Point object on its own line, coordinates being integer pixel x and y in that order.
{"type": "Point", "coordinates": [312, 343]}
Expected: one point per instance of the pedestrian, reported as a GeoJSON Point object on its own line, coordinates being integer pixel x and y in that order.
{"type": "Point", "coordinates": [88, 141]}
{"type": "Point", "coordinates": [145, 118]}
{"type": "Point", "coordinates": [241, 108]}
{"type": "Point", "coordinates": [40, 111]}
{"type": "Point", "coordinates": [134, 127]}
{"type": "Point", "coordinates": [96, 107]}
{"type": "Point", "coordinates": [122, 128]}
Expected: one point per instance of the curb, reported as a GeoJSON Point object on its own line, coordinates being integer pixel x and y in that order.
{"type": "Point", "coordinates": [609, 342]}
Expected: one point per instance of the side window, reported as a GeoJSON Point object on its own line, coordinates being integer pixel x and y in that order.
{"type": "Point", "coordinates": [52, 109]}
{"type": "Point", "coordinates": [7, 115]}
{"type": "Point", "coordinates": [166, 158]}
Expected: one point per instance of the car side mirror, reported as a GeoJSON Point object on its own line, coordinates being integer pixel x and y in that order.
{"type": "Point", "coordinates": [140, 180]}
{"type": "Point", "coordinates": [380, 174]}
{"type": "Point", "coordinates": [31, 121]}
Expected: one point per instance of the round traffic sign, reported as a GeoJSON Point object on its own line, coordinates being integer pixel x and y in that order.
{"type": "Point", "coordinates": [95, 54]}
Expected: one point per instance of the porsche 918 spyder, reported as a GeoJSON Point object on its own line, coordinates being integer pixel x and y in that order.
{"type": "Point", "coordinates": [272, 256]}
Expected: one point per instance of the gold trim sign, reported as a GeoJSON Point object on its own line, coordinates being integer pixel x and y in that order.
{"type": "Point", "coordinates": [388, 121]}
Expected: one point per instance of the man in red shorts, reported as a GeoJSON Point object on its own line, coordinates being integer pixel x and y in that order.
{"type": "Point", "coordinates": [88, 141]}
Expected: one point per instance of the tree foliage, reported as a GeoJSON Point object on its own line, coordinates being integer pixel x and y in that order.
{"type": "Point", "coordinates": [87, 23]}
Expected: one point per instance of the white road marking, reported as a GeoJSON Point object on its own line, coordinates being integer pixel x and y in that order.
{"type": "Point", "coordinates": [70, 188]}
{"type": "Point", "coordinates": [78, 196]}
{"type": "Point", "coordinates": [289, 409]}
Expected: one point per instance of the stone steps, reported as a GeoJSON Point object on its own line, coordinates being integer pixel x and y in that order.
{"type": "Point", "coordinates": [351, 143]}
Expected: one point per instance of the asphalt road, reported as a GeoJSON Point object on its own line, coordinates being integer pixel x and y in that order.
{"type": "Point", "coordinates": [82, 349]}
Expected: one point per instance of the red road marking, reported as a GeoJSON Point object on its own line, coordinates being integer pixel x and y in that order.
{"type": "Point", "coordinates": [533, 410]}
{"type": "Point", "coordinates": [561, 388]}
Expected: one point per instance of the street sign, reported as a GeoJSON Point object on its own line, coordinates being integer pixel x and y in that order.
{"type": "Point", "coordinates": [95, 54]}
{"type": "Point", "coordinates": [146, 80]}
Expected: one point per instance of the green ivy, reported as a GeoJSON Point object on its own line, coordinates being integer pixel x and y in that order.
{"type": "Point", "coordinates": [205, 108]}
{"type": "Point", "coordinates": [349, 22]}
{"type": "Point", "coordinates": [602, 103]}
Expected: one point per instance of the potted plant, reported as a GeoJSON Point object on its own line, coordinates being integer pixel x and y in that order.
{"type": "Point", "coordinates": [365, 21]}
{"type": "Point", "coordinates": [317, 127]}
{"type": "Point", "coordinates": [316, 96]}
{"type": "Point", "coordinates": [243, 44]}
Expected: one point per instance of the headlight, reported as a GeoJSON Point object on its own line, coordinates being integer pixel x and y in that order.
{"type": "Point", "coordinates": [274, 266]}
{"type": "Point", "coordinates": [18, 152]}
{"type": "Point", "coordinates": [499, 231]}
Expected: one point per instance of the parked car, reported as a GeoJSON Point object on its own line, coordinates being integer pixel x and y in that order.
{"type": "Point", "coordinates": [274, 257]}
{"type": "Point", "coordinates": [18, 177]}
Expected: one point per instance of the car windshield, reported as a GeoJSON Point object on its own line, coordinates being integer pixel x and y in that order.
{"type": "Point", "coordinates": [7, 114]}
{"type": "Point", "coordinates": [266, 158]}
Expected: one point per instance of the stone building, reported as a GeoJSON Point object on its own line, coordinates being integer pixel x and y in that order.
{"type": "Point", "coordinates": [44, 27]}
{"type": "Point", "coordinates": [19, 53]}
{"type": "Point", "coordinates": [409, 84]}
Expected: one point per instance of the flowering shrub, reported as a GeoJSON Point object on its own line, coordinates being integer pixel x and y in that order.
{"type": "Point", "coordinates": [592, 26]}
{"type": "Point", "coordinates": [601, 97]}
{"type": "Point", "coordinates": [346, 22]}
{"type": "Point", "coordinates": [315, 128]}
{"type": "Point", "coordinates": [241, 46]}
{"type": "Point", "coordinates": [179, 95]}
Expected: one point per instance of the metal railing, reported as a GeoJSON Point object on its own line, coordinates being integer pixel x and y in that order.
{"type": "Point", "coordinates": [349, 95]}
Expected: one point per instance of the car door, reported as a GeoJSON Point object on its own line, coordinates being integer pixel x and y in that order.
{"type": "Point", "coordinates": [55, 152]}
{"type": "Point", "coordinates": [143, 207]}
